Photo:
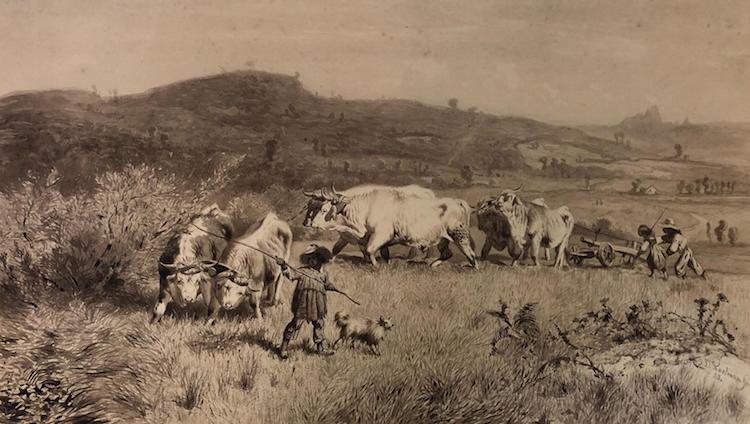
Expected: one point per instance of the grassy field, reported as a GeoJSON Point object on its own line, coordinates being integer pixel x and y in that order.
{"type": "Point", "coordinates": [435, 365]}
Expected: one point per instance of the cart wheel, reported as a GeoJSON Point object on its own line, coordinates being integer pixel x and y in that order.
{"type": "Point", "coordinates": [606, 255]}
{"type": "Point", "coordinates": [572, 257]}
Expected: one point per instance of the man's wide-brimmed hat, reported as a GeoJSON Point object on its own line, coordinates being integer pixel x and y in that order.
{"type": "Point", "coordinates": [645, 231]}
{"type": "Point", "coordinates": [316, 253]}
{"type": "Point", "coordinates": [668, 224]}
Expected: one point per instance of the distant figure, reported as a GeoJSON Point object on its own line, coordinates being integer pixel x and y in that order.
{"type": "Point", "coordinates": [708, 231]}
{"type": "Point", "coordinates": [719, 231]}
{"type": "Point", "coordinates": [680, 186]}
{"type": "Point", "coordinates": [678, 244]}
{"type": "Point", "coordinates": [732, 235]}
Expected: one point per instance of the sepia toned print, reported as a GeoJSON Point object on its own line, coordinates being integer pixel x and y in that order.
{"type": "Point", "coordinates": [374, 212]}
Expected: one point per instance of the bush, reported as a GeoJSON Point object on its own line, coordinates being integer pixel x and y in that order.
{"type": "Point", "coordinates": [85, 244]}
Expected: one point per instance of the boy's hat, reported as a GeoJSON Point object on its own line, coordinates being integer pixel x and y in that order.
{"type": "Point", "coordinates": [668, 224]}
{"type": "Point", "coordinates": [315, 253]}
{"type": "Point", "coordinates": [645, 231]}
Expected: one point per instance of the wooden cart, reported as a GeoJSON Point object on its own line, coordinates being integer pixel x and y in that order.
{"type": "Point", "coordinates": [606, 253]}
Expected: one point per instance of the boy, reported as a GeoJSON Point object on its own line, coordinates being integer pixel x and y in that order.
{"type": "Point", "coordinates": [309, 298]}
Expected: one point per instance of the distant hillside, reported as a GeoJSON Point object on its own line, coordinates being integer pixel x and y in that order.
{"type": "Point", "coordinates": [182, 125]}
{"type": "Point", "coordinates": [721, 142]}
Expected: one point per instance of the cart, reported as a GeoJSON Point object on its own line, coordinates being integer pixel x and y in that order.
{"type": "Point", "coordinates": [606, 253]}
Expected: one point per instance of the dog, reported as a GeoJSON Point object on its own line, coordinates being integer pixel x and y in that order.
{"type": "Point", "coordinates": [364, 330]}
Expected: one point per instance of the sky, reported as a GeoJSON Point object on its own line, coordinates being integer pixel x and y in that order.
{"type": "Point", "coordinates": [566, 61]}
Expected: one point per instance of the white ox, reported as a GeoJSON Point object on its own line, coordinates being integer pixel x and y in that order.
{"type": "Point", "coordinates": [345, 237]}
{"type": "Point", "coordinates": [246, 272]}
{"type": "Point", "coordinates": [185, 265]}
{"type": "Point", "coordinates": [388, 217]}
{"type": "Point", "coordinates": [535, 225]}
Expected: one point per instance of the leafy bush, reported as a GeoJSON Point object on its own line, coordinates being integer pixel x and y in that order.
{"type": "Point", "coordinates": [86, 244]}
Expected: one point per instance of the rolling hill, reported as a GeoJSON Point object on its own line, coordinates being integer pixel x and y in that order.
{"type": "Point", "coordinates": [179, 126]}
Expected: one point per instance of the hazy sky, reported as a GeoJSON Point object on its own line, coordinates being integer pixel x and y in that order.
{"type": "Point", "coordinates": [560, 61]}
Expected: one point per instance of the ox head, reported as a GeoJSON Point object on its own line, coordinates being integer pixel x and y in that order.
{"type": "Point", "coordinates": [187, 279]}
{"type": "Point", "coordinates": [507, 200]}
{"type": "Point", "coordinates": [323, 206]}
{"type": "Point", "coordinates": [232, 289]}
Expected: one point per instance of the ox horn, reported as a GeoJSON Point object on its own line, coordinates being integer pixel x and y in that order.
{"type": "Point", "coordinates": [517, 189]}
{"type": "Point", "coordinates": [315, 194]}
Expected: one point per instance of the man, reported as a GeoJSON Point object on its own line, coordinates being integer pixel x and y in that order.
{"type": "Point", "coordinates": [656, 257]}
{"type": "Point", "coordinates": [678, 244]}
{"type": "Point", "coordinates": [309, 298]}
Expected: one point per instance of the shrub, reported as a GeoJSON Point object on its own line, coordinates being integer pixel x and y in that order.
{"type": "Point", "coordinates": [85, 244]}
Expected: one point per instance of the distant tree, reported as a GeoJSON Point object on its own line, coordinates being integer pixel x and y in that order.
{"type": "Point", "coordinates": [271, 147]}
{"type": "Point", "coordinates": [619, 136]}
{"type": "Point", "coordinates": [544, 160]}
{"type": "Point", "coordinates": [564, 168]}
{"type": "Point", "coordinates": [453, 103]}
{"type": "Point", "coordinates": [719, 231]}
{"type": "Point", "coordinates": [152, 131]}
{"type": "Point", "coordinates": [94, 90]}
{"type": "Point", "coordinates": [689, 188]}
{"type": "Point", "coordinates": [472, 109]}
{"type": "Point", "coordinates": [397, 166]}
{"type": "Point", "coordinates": [467, 174]}
{"type": "Point", "coordinates": [341, 117]}
{"type": "Point", "coordinates": [698, 186]}
{"type": "Point", "coordinates": [680, 186]}
{"type": "Point", "coordinates": [678, 150]}
{"type": "Point", "coordinates": [555, 166]}
{"type": "Point", "coordinates": [732, 235]}
{"type": "Point", "coordinates": [347, 167]}
{"type": "Point", "coordinates": [635, 186]}
{"type": "Point", "coordinates": [587, 181]}
{"type": "Point", "coordinates": [323, 151]}
{"type": "Point", "coordinates": [706, 183]}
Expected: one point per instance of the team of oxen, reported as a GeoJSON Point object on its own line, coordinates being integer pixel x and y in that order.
{"type": "Point", "coordinates": [207, 258]}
